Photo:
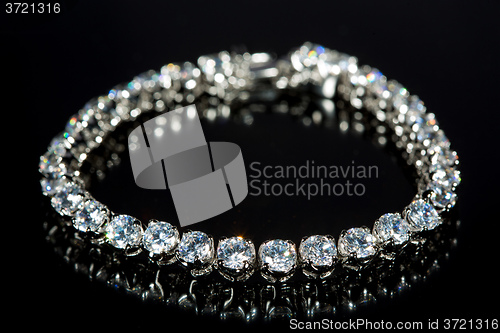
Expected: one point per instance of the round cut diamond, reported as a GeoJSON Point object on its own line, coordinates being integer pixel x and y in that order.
{"type": "Point", "coordinates": [160, 237]}
{"type": "Point", "coordinates": [442, 196]}
{"type": "Point", "coordinates": [195, 246]}
{"type": "Point", "coordinates": [278, 256]}
{"type": "Point", "coordinates": [318, 250]}
{"type": "Point", "coordinates": [421, 216]}
{"type": "Point", "coordinates": [123, 231]}
{"type": "Point", "coordinates": [358, 242]}
{"type": "Point", "coordinates": [235, 253]}
{"type": "Point", "coordinates": [51, 185]}
{"type": "Point", "coordinates": [391, 226]}
{"type": "Point", "coordinates": [68, 199]}
{"type": "Point", "coordinates": [91, 216]}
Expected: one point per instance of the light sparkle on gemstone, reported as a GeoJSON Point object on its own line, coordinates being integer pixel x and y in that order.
{"type": "Point", "coordinates": [91, 216]}
{"type": "Point", "coordinates": [318, 250]}
{"type": "Point", "coordinates": [68, 199]}
{"type": "Point", "coordinates": [235, 253]}
{"type": "Point", "coordinates": [195, 246]}
{"type": "Point", "coordinates": [442, 196]}
{"type": "Point", "coordinates": [391, 227]}
{"type": "Point", "coordinates": [421, 216]}
{"type": "Point", "coordinates": [160, 237]}
{"type": "Point", "coordinates": [358, 242]}
{"type": "Point", "coordinates": [278, 256]}
{"type": "Point", "coordinates": [123, 231]}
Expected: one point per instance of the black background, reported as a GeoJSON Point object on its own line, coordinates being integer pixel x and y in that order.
{"type": "Point", "coordinates": [446, 52]}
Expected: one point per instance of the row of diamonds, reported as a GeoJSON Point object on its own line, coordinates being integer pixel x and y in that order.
{"type": "Point", "coordinates": [345, 292]}
{"type": "Point", "coordinates": [235, 256]}
{"type": "Point", "coordinates": [418, 132]}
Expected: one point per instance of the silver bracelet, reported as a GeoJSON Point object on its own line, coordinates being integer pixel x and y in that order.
{"type": "Point", "coordinates": [236, 77]}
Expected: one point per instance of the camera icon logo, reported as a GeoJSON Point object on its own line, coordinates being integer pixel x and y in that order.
{"type": "Point", "coordinates": [205, 178]}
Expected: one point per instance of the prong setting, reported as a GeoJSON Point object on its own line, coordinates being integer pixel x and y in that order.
{"type": "Point", "coordinates": [236, 258]}
{"type": "Point", "coordinates": [318, 255]}
{"type": "Point", "coordinates": [277, 259]}
{"type": "Point", "coordinates": [196, 251]}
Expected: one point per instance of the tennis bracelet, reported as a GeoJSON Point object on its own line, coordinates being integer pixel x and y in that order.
{"type": "Point", "coordinates": [230, 78]}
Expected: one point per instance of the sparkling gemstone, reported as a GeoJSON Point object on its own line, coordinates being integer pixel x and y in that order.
{"type": "Point", "coordinates": [448, 177]}
{"type": "Point", "coordinates": [51, 164]}
{"type": "Point", "coordinates": [216, 66]}
{"type": "Point", "coordinates": [318, 250]}
{"type": "Point", "coordinates": [195, 246]}
{"type": "Point", "coordinates": [358, 242]}
{"type": "Point", "coordinates": [160, 237]}
{"type": "Point", "coordinates": [87, 118]}
{"type": "Point", "coordinates": [279, 256]}
{"type": "Point", "coordinates": [442, 196]}
{"type": "Point", "coordinates": [399, 96]}
{"type": "Point", "coordinates": [72, 128]}
{"type": "Point", "coordinates": [416, 111]}
{"type": "Point", "coordinates": [233, 252]}
{"type": "Point", "coordinates": [321, 65]}
{"type": "Point", "coordinates": [391, 226]}
{"type": "Point", "coordinates": [68, 199]}
{"type": "Point", "coordinates": [445, 158]}
{"type": "Point", "coordinates": [378, 83]}
{"type": "Point", "coordinates": [51, 186]}
{"type": "Point", "coordinates": [425, 127]}
{"type": "Point", "coordinates": [148, 81]}
{"type": "Point", "coordinates": [333, 63]}
{"type": "Point", "coordinates": [124, 231]}
{"type": "Point", "coordinates": [185, 75]}
{"type": "Point", "coordinates": [91, 216]}
{"type": "Point", "coordinates": [438, 141]}
{"type": "Point", "coordinates": [416, 104]}
{"type": "Point", "coordinates": [422, 216]}
{"type": "Point", "coordinates": [59, 145]}
{"type": "Point", "coordinates": [306, 56]}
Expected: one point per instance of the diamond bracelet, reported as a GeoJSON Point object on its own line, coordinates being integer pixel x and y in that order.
{"type": "Point", "coordinates": [233, 78]}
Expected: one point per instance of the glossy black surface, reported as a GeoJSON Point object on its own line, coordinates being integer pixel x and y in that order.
{"type": "Point", "coordinates": [446, 53]}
